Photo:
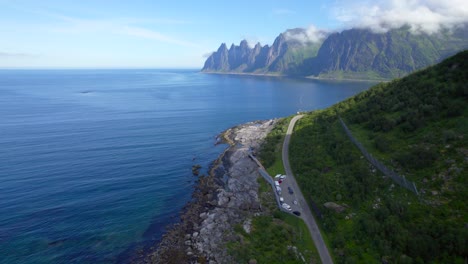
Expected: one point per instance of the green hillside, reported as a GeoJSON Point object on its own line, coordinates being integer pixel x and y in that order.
{"type": "Point", "coordinates": [295, 59]}
{"type": "Point", "coordinates": [363, 54]}
{"type": "Point", "coordinates": [350, 54]}
{"type": "Point", "coordinates": [417, 126]}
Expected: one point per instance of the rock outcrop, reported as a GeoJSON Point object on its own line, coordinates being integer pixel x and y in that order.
{"type": "Point", "coordinates": [284, 56]}
{"type": "Point", "coordinates": [227, 197]}
{"type": "Point", "coordinates": [334, 206]}
{"type": "Point", "coordinates": [352, 53]}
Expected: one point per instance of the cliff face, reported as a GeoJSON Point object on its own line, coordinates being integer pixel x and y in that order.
{"type": "Point", "coordinates": [354, 53]}
{"type": "Point", "coordinates": [283, 57]}
{"type": "Point", "coordinates": [218, 61]}
{"type": "Point", "coordinates": [388, 55]}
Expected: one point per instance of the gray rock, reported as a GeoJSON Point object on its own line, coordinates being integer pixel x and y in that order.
{"type": "Point", "coordinates": [199, 246]}
{"type": "Point", "coordinates": [247, 226]}
{"type": "Point", "coordinates": [241, 192]}
{"type": "Point", "coordinates": [334, 206]}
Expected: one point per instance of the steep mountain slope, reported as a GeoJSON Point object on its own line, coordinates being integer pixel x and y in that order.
{"type": "Point", "coordinates": [418, 127]}
{"type": "Point", "coordinates": [363, 54]}
{"type": "Point", "coordinates": [285, 56]}
{"type": "Point", "coordinates": [354, 54]}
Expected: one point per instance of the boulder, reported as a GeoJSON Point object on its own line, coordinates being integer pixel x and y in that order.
{"type": "Point", "coordinates": [334, 206]}
{"type": "Point", "coordinates": [247, 226]}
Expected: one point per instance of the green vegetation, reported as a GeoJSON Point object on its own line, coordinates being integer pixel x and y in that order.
{"type": "Point", "coordinates": [296, 59]}
{"type": "Point", "coordinates": [417, 126]}
{"type": "Point", "coordinates": [281, 238]}
{"type": "Point", "coordinates": [363, 54]}
{"type": "Point", "coordinates": [350, 54]}
{"type": "Point", "coordinates": [270, 152]}
{"type": "Point", "coordinates": [275, 236]}
{"type": "Point", "coordinates": [345, 75]}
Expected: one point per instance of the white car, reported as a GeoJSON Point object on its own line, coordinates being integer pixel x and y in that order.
{"type": "Point", "coordinates": [278, 189]}
{"type": "Point", "coordinates": [276, 183]}
{"type": "Point", "coordinates": [281, 199]}
{"type": "Point", "coordinates": [286, 206]}
{"type": "Point", "coordinates": [277, 176]}
{"type": "Point", "coordinates": [282, 177]}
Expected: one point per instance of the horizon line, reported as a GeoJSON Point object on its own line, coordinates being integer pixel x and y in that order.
{"type": "Point", "coordinates": [99, 68]}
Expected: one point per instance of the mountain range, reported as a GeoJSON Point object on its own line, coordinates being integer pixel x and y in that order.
{"type": "Point", "coordinates": [350, 54]}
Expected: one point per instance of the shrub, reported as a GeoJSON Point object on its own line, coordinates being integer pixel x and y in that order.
{"type": "Point", "coordinates": [382, 144]}
{"type": "Point", "coordinates": [418, 157]}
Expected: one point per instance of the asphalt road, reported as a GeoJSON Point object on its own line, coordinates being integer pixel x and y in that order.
{"type": "Point", "coordinates": [302, 205]}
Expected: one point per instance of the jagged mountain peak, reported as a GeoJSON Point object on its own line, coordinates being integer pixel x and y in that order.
{"type": "Point", "coordinates": [244, 44]}
{"type": "Point", "coordinates": [355, 53]}
{"type": "Point", "coordinates": [222, 47]}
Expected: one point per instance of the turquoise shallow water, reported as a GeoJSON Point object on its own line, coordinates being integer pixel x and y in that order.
{"type": "Point", "coordinates": [95, 163]}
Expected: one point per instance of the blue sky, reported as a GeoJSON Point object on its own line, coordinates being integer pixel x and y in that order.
{"type": "Point", "coordinates": [153, 33]}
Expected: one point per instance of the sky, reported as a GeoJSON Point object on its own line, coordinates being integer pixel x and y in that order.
{"type": "Point", "coordinates": [181, 34]}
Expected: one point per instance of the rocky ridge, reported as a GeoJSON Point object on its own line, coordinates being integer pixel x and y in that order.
{"type": "Point", "coordinates": [285, 56]}
{"type": "Point", "coordinates": [351, 54]}
{"type": "Point", "coordinates": [223, 199]}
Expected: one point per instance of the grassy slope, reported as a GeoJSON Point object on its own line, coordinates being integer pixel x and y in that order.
{"type": "Point", "coordinates": [274, 231]}
{"type": "Point", "coordinates": [418, 126]}
{"type": "Point", "coordinates": [271, 234]}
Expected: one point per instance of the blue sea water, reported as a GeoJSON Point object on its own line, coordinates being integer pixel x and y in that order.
{"type": "Point", "coordinates": [95, 163]}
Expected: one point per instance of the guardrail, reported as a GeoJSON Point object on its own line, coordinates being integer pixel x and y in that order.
{"type": "Point", "coordinates": [388, 172]}
{"type": "Point", "coordinates": [270, 180]}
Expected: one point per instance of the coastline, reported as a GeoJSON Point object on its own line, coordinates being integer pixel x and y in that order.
{"type": "Point", "coordinates": [245, 73]}
{"type": "Point", "coordinates": [346, 79]}
{"type": "Point", "coordinates": [228, 196]}
{"type": "Point", "coordinates": [301, 77]}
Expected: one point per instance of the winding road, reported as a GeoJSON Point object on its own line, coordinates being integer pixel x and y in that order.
{"type": "Point", "coordinates": [306, 214]}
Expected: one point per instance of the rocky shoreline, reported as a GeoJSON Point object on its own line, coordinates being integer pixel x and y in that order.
{"type": "Point", "coordinates": [227, 197]}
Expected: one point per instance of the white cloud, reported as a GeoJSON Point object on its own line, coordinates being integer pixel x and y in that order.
{"type": "Point", "coordinates": [150, 34]}
{"type": "Point", "coordinates": [121, 26]}
{"type": "Point", "coordinates": [282, 11]}
{"type": "Point", "coordinates": [16, 54]}
{"type": "Point", "coordinates": [207, 54]}
{"type": "Point", "coordinates": [160, 21]}
{"type": "Point", "coordinates": [116, 27]}
{"type": "Point", "coordinates": [252, 40]}
{"type": "Point", "coordinates": [421, 15]}
{"type": "Point", "coordinates": [310, 34]}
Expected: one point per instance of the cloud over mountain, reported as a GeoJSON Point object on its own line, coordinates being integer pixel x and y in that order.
{"type": "Point", "coordinates": [427, 16]}
{"type": "Point", "coordinates": [308, 35]}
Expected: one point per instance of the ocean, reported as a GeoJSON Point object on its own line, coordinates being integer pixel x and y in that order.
{"type": "Point", "coordinates": [94, 164]}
